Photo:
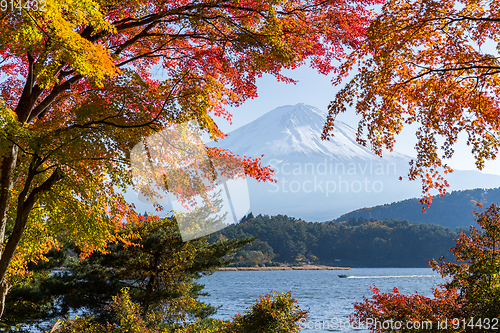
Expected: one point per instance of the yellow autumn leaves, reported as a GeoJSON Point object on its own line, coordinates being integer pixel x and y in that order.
{"type": "Point", "coordinates": [58, 30]}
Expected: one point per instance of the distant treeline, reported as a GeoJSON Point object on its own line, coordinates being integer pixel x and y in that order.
{"type": "Point", "coordinates": [355, 242]}
{"type": "Point", "coordinates": [453, 210]}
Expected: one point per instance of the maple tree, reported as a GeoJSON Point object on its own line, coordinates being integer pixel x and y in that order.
{"type": "Point", "coordinates": [469, 301]}
{"type": "Point", "coordinates": [79, 90]}
{"type": "Point", "coordinates": [431, 63]}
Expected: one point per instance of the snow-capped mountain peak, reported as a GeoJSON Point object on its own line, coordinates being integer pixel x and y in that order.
{"type": "Point", "coordinates": [320, 180]}
{"type": "Point", "coordinates": [295, 130]}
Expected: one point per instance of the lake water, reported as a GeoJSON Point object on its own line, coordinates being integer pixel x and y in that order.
{"type": "Point", "coordinates": [329, 297]}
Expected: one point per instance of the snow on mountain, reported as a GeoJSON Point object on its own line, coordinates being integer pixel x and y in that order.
{"type": "Point", "coordinates": [295, 130]}
{"type": "Point", "coordinates": [319, 180]}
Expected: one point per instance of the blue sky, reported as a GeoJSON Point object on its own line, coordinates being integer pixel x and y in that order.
{"type": "Point", "coordinates": [316, 90]}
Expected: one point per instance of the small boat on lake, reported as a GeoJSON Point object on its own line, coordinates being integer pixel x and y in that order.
{"type": "Point", "coordinates": [342, 275]}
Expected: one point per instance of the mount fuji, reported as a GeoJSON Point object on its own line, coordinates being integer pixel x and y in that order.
{"type": "Point", "coordinates": [319, 180]}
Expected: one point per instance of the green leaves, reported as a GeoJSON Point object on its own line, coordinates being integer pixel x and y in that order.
{"type": "Point", "coordinates": [154, 263]}
{"type": "Point", "coordinates": [272, 313]}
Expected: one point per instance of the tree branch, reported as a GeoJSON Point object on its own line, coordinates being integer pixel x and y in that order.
{"type": "Point", "coordinates": [52, 96]}
{"type": "Point", "coordinates": [24, 207]}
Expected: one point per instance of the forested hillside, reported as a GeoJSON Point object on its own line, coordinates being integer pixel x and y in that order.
{"type": "Point", "coordinates": [355, 243]}
{"type": "Point", "coordinates": [454, 210]}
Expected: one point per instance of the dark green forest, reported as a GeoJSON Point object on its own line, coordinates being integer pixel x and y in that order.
{"type": "Point", "coordinates": [453, 210]}
{"type": "Point", "coordinates": [355, 242]}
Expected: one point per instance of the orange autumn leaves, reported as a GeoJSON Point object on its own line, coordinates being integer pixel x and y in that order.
{"type": "Point", "coordinates": [468, 300]}
{"type": "Point", "coordinates": [84, 81]}
{"type": "Point", "coordinates": [431, 63]}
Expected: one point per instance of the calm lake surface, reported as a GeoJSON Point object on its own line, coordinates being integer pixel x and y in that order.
{"type": "Point", "coordinates": [328, 296]}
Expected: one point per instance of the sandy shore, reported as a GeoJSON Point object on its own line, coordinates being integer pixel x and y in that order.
{"type": "Point", "coordinates": [287, 268]}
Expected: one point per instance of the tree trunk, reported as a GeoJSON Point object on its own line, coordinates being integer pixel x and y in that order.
{"type": "Point", "coordinates": [8, 164]}
{"type": "Point", "coordinates": [4, 289]}
{"type": "Point", "coordinates": [25, 204]}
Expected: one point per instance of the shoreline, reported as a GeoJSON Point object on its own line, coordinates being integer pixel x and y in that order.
{"type": "Point", "coordinates": [288, 268]}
